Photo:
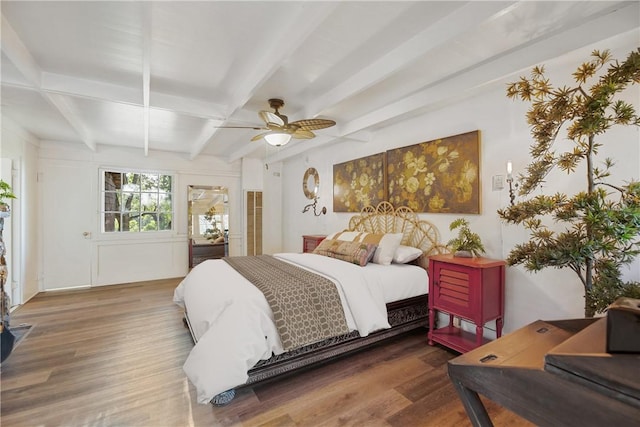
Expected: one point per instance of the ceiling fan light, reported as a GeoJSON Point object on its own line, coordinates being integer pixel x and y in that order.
{"type": "Point", "coordinates": [277, 139]}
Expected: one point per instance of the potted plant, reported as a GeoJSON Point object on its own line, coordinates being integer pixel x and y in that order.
{"type": "Point", "coordinates": [468, 244]}
{"type": "Point", "coordinates": [212, 233]}
{"type": "Point", "coordinates": [597, 230]}
{"type": "Point", "coordinates": [7, 337]}
{"type": "Point", "coordinates": [5, 194]}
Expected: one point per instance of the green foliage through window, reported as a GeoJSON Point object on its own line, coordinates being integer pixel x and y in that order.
{"type": "Point", "coordinates": [136, 201]}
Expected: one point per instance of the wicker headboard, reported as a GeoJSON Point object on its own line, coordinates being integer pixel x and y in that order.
{"type": "Point", "coordinates": [418, 233]}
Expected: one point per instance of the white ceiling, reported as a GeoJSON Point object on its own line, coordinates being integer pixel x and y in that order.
{"type": "Point", "coordinates": [163, 75]}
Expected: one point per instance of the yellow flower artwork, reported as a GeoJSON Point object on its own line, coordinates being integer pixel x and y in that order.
{"type": "Point", "coordinates": [358, 183]}
{"type": "Point", "coordinates": [437, 176]}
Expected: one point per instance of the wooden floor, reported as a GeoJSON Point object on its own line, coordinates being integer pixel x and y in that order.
{"type": "Point", "coordinates": [112, 356]}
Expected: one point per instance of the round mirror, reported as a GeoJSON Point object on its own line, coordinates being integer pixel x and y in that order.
{"type": "Point", "coordinates": [311, 183]}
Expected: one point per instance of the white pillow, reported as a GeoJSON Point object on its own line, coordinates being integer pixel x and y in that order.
{"type": "Point", "coordinates": [405, 254]}
{"type": "Point", "coordinates": [387, 243]}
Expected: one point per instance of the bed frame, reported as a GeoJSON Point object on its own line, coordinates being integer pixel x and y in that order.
{"type": "Point", "coordinates": [404, 315]}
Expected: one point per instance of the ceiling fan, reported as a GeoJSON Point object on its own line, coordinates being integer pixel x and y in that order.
{"type": "Point", "coordinates": [281, 131]}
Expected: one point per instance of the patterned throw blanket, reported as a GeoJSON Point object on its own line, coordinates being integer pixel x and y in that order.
{"type": "Point", "coordinates": [306, 307]}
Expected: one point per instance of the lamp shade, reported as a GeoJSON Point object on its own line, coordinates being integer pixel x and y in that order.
{"type": "Point", "coordinates": [277, 138]}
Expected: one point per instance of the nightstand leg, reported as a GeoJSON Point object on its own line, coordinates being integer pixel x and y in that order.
{"type": "Point", "coordinates": [479, 334]}
{"type": "Point", "coordinates": [498, 327]}
{"type": "Point", "coordinates": [432, 323]}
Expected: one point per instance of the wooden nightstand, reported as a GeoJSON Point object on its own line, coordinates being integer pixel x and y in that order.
{"type": "Point", "coordinates": [469, 288]}
{"type": "Point", "coordinates": [310, 241]}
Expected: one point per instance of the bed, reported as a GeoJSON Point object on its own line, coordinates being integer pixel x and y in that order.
{"type": "Point", "coordinates": [237, 335]}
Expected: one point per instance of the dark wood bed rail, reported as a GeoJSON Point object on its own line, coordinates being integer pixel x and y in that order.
{"type": "Point", "coordinates": [403, 316]}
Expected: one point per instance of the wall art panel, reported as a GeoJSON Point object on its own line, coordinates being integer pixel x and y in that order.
{"type": "Point", "coordinates": [436, 176]}
{"type": "Point", "coordinates": [358, 183]}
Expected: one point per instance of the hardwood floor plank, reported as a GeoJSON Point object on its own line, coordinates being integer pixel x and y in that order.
{"type": "Point", "coordinates": [423, 411]}
{"type": "Point", "coordinates": [113, 356]}
{"type": "Point", "coordinates": [337, 398]}
{"type": "Point", "coordinates": [25, 380]}
{"type": "Point", "coordinates": [283, 421]}
{"type": "Point", "coordinates": [370, 412]}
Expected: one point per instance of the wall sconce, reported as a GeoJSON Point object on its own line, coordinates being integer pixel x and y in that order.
{"type": "Point", "coordinates": [512, 194]}
{"type": "Point", "coordinates": [313, 205]}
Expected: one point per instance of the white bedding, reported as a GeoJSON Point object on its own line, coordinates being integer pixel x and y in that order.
{"type": "Point", "coordinates": [233, 323]}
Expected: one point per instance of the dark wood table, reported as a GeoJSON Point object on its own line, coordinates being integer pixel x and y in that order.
{"type": "Point", "coordinates": [553, 373]}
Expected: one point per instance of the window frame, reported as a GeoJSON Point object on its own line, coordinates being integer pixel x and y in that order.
{"type": "Point", "coordinates": [138, 233]}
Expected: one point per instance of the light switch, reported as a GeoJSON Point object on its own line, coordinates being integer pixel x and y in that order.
{"type": "Point", "coordinates": [498, 182]}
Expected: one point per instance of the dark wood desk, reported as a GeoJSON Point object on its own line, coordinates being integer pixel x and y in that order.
{"type": "Point", "coordinates": [553, 374]}
{"type": "Point", "coordinates": [205, 251]}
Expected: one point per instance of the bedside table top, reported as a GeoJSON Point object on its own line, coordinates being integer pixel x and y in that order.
{"type": "Point", "coordinates": [477, 262]}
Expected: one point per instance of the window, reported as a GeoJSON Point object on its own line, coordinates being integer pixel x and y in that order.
{"type": "Point", "coordinates": [136, 201]}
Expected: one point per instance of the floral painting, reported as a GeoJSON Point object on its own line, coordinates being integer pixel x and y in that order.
{"type": "Point", "coordinates": [358, 183]}
{"type": "Point", "coordinates": [437, 176]}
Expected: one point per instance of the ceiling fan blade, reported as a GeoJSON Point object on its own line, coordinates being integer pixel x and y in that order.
{"type": "Point", "coordinates": [260, 136]}
{"type": "Point", "coordinates": [276, 128]}
{"type": "Point", "coordinates": [271, 118]}
{"type": "Point", "coordinates": [303, 134]}
{"type": "Point", "coordinates": [313, 124]}
{"type": "Point", "coordinates": [242, 127]}
{"type": "Point", "coordinates": [279, 123]}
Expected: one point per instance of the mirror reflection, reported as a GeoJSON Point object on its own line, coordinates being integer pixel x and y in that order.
{"type": "Point", "coordinates": [311, 183]}
{"type": "Point", "coordinates": [208, 223]}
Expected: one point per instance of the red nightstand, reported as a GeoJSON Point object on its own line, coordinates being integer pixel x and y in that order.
{"type": "Point", "coordinates": [469, 288]}
{"type": "Point", "coordinates": [309, 242]}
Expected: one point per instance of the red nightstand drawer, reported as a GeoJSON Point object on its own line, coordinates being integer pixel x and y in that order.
{"type": "Point", "coordinates": [452, 290]}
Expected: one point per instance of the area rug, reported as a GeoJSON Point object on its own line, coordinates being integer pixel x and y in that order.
{"type": "Point", "coordinates": [20, 332]}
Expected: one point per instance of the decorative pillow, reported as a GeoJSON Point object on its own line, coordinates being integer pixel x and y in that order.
{"type": "Point", "coordinates": [387, 243]}
{"type": "Point", "coordinates": [354, 252]}
{"type": "Point", "coordinates": [349, 236]}
{"type": "Point", "coordinates": [405, 254]}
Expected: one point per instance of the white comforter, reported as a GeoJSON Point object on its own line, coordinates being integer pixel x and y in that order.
{"type": "Point", "coordinates": [233, 323]}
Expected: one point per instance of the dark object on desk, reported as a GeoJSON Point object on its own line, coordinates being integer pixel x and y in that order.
{"type": "Point", "coordinates": [553, 373]}
{"type": "Point", "coordinates": [623, 326]}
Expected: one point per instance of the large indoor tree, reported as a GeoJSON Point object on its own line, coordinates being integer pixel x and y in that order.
{"type": "Point", "coordinates": [594, 232]}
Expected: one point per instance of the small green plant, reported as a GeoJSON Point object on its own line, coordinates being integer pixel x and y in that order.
{"type": "Point", "coordinates": [467, 241]}
{"type": "Point", "coordinates": [5, 192]}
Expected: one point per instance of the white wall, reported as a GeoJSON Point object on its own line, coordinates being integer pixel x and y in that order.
{"type": "Point", "coordinates": [550, 294]}
{"type": "Point", "coordinates": [272, 225]}
{"type": "Point", "coordinates": [118, 258]}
